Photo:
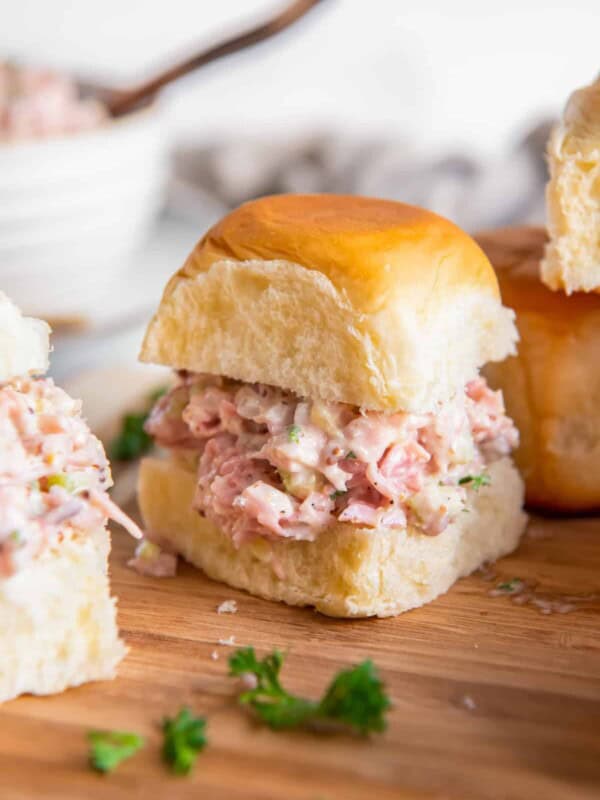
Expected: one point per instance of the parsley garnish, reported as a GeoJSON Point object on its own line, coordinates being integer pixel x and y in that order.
{"type": "Point", "coordinates": [476, 481]}
{"type": "Point", "coordinates": [338, 493]}
{"type": "Point", "coordinates": [133, 441]}
{"type": "Point", "coordinates": [294, 433]}
{"type": "Point", "coordinates": [510, 586]}
{"type": "Point", "coordinates": [184, 738]}
{"type": "Point", "coordinates": [109, 748]}
{"type": "Point", "coordinates": [351, 454]}
{"type": "Point", "coordinates": [356, 697]}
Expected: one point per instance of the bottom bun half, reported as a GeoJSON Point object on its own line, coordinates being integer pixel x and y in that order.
{"type": "Point", "coordinates": [347, 571]}
{"type": "Point", "coordinates": [58, 621]}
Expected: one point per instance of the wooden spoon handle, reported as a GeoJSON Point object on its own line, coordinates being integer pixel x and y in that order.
{"type": "Point", "coordinates": [122, 102]}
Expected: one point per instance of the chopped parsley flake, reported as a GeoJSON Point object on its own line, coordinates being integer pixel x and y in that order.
{"type": "Point", "coordinates": [338, 493]}
{"type": "Point", "coordinates": [510, 586]}
{"type": "Point", "coordinates": [184, 738]}
{"type": "Point", "coordinates": [294, 433]}
{"type": "Point", "coordinates": [351, 454]}
{"type": "Point", "coordinates": [476, 481]}
{"type": "Point", "coordinates": [109, 748]}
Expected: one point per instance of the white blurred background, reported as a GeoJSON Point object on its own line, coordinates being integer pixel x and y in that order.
{"type": "Point", "coordinates": [442, 104]}
{"type": "Point", "coordinates": [469, 73]}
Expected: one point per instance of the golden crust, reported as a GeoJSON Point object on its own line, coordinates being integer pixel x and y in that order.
{"type": "Point", "coordinates": [347, 571]}
{"type": "Point", "coordinates": [552, 388]}
{"type": "Point", "coordinates": [294, 290]}
{"type": "Point", "coordinates": [367, 248]}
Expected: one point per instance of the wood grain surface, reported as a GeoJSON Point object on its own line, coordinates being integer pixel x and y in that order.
{"type": "Point", "coordinates": [491, 699]}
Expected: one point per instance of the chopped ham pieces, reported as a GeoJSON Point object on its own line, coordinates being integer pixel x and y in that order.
{"type": "Point", "coordinates": [275, 465]}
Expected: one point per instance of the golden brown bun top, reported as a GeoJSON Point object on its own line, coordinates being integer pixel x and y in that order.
{"type": "Point", "coordinates": [349, 299]}
{"type": "Point", "coordinates": [516, 254]}
{"type": "Point", "coordinates": [366, 247]}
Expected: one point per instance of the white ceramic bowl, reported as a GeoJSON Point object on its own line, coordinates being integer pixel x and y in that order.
{"type": "Point", "coordinates": [73, 209]}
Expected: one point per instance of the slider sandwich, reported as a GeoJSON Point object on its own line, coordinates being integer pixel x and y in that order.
{"type": "Point", "coordinates": [329, 439]}
{"type": "Point", "coordinates": [57, 618]}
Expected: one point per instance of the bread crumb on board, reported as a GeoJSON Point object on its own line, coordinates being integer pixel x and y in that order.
{"type": "Point", "coordinates": [227, 607]}
{"type": "Point", "coordinates": [468, 702]}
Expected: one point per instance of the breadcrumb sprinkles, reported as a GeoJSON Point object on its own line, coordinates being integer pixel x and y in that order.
{"type": "Point", "coordinates": [525, 593]}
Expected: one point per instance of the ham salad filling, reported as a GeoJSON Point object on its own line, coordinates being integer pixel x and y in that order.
{"type": "Point", "coordinates": [275, 465]}
{"type": "Point", "coordinates": [38, 103]}
{"type": "Point", "coordinates": [54, 474]}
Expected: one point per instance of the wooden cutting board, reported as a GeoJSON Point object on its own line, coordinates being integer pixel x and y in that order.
{"type": "Point", "coordinates": [490, 699]}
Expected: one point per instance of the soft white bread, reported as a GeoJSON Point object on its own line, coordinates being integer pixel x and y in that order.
{"type": "Point", "coordinates": [351, 299]}
{"type": "Point", "coordinates": [58, 621]}
{"type": "Point", "coordinates": [347, 571]}
{"type": "Point", "coordinates": [572, 258]}
{"type": "Point", "coordinates": [552, 388]}
{"type": "Point", "coordinates": [24, 344]}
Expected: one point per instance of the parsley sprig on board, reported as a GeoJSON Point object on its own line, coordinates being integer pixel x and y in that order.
{"type": "Point", "coordinates": [184, 738]}
{"type": "Point", "coordinates": [356, 697]}
{"type": "Point", "coordinates": [109, 748]}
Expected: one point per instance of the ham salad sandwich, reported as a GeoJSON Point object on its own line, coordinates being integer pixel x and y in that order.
{"type": "Point", "coordinates": [57, 619]}
{"type": "Point", "coordinates": [329, 440]}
